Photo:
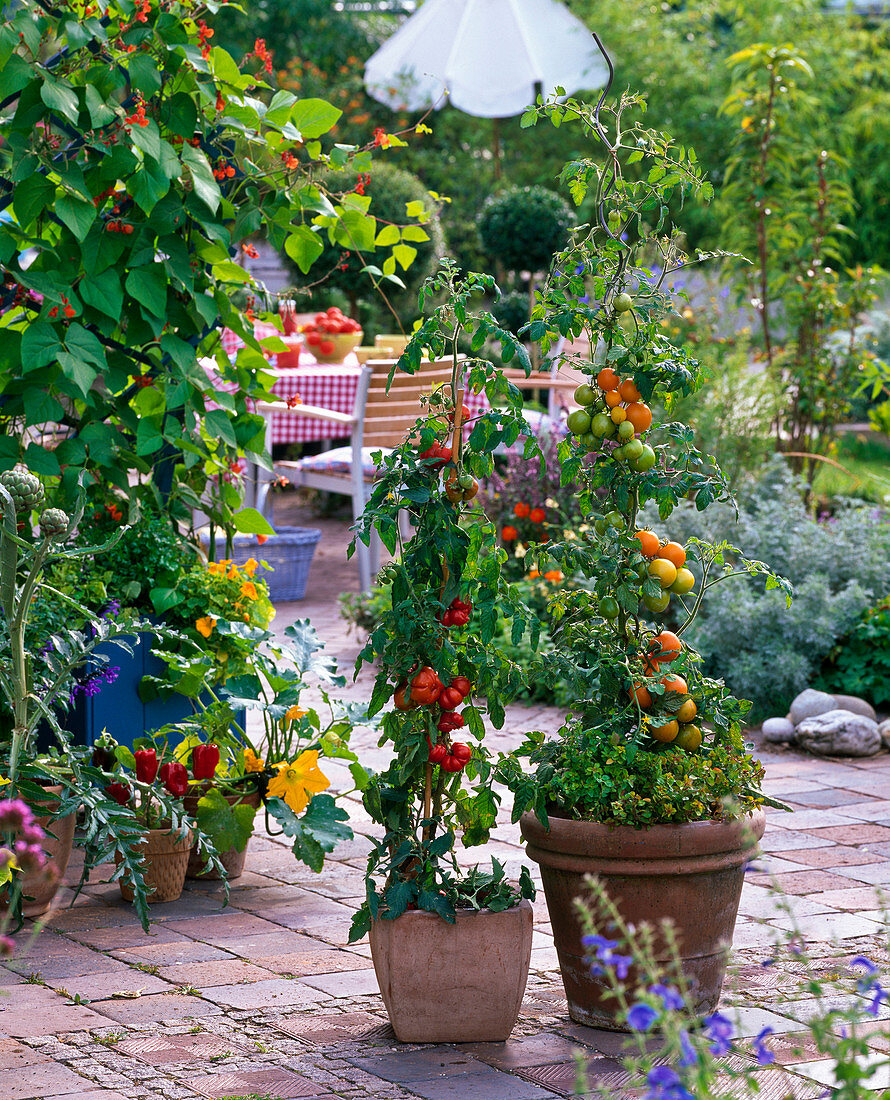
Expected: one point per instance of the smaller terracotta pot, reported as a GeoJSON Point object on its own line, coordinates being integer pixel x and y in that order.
{"type": "Point", "coordinates": [41, 886]}
{"type": "Point", "coordinates": [453, 983]}
{"type": "Point", "coordinates": [232, 860]}
{"type": "Point", "coordinates": [165, 857]}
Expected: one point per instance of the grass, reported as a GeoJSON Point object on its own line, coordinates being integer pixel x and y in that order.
{"type": "Point", "coordinates": [865, 458]}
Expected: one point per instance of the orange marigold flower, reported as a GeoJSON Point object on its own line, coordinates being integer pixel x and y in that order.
{"type": "Point", "coordinates": [205, 626]}
{"type": "Point", "coordinates": [509, 534]}
{"type": "Point", "coordinates": [521, 510]}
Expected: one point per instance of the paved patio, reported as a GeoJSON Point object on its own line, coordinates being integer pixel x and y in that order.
{"type": "Point", "coordinates": [264, 999]}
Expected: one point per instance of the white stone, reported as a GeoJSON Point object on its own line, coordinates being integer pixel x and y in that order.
{"type": "Point", "coordinates": [810, 703]}
{"type": "Point", "coordinates": [884, 731]}
{"type": "Point", "coordinates": [856, 705]}
{"type": "Point", "coordinates": [839, 733]}
{"type": "Point", "coordinates": [778, 731]}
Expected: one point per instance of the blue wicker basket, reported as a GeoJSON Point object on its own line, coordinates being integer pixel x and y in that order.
{"type": "Point", "coordinates": [288, 553]}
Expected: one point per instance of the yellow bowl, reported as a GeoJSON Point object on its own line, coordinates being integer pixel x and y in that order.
{"type": "Point", "coordinates": [393, 340]}
{"type": "Point", "coordinates": [344, 343]}
{"type": "Point", "coordinates": [366, 352]}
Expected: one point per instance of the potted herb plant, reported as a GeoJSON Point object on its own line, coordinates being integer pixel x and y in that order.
{"type": "Point", "coordinates": [648, 784]}
{"type": "Point", "coordinates": [442, 678]}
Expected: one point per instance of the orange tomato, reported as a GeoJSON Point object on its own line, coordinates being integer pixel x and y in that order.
{"type": "Point", "coordinates": [642, 696]}
{"type": "Point", "coordinates": [629, 391]}
{"type": "Point", "coordinates": [675, 683]}
{"type": "Point", "coordinates": [648, 541]}
{"type": "Point", "coordinates": [674, 553]}
{"type": "Point", "coordinates": [687, 711]}
{"type": "Point", "coordinates": [666, 646]}
{"type": "Point", "coordinates": [613, 398]}
{"type": "Point", "coordinates": [667, 732]}
{"type": "Point", "coordinates": [607, 379]}
{"type": "Point", "coordinates": [640, 416]}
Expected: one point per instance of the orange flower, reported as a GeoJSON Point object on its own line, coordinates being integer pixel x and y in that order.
{"type": "Point", "coordinates": [509, 534]}
{"type": "Point", "coordinates": [535, 573]}
{"type": "Point", "coordinates": [554, 575]}
{"type": "Point", "coordinates": [248, 590]}
{"type": "Point", "coordinates": [521, 510]}
{"type": "Point", "coordinates": [294, 713]}
{"type": "Point", "coordinates": [261, 539]}
{"type": "Point", "coordinates": [250, 567]}
{"type": "Point", "coordinates": [205, 626]}
{"type": "Point", "coordinates": [537, 515]}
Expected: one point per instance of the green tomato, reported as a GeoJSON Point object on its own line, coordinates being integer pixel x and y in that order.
{"type": "Point", "coordinates": [623, 302]}
{"type": "Point", "coordinates": [600, 524]}
{"type": "Point", "coordinates": [646, 460]}
{"type": "Point", "coordinates": [578, 422]}
{"type": "Point", "coordinates": [586, 395]}
{"type": "Point", "coordinates": [608, 607]}
{"type": "Point", "coordinates": [615, 518]}
{"type": "Point", "coordinates": [625, 431]}
{"type": "Point", "coordinates": [657, 603]}
{"type": "Point", "coordinates": [633, 450]}
{"type": "Point", "coordinates": [589, 440]}
{"type": "Point", "coordinates": [619, 455]}
{"type": "Point", "coordinates": [466, 481]}
{"type": "Point", "coordinates": [601, 424]}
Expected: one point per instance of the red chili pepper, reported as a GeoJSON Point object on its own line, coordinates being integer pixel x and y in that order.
{"type": "Point", "coordinates": [449, 721]}
{"type": "Point", "coordinates": [450, 698]}
{"type": "Point", "coordinates": [120, 792]}
{"type": "Point", "coordinates": [205, 759]}
{"type": "Point", "coordinates": [175, 778]}
{"type": "Point", "coordinates": [462, 684]}
{"type": "Point", "coordinates": [437, 752]}
{"type": "Point", "coordinates": [461, 751]}
{"type": "Point", "coordinates": [425, 686]}
{"type": "Point", "coordinates": [146, 765]}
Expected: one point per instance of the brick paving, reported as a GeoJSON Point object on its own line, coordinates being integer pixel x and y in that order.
{"type": "Point", "coordinates": [264, 998]}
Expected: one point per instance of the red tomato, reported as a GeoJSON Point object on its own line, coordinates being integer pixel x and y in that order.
{"type": "Point", "coordinates": [462, 684]}
{"type": "Point", "coordinates": [313, 340]}
{"type": "Point", "coordinates": [326, 347]}
{"type": "Point", "coordinates": [450, 698]}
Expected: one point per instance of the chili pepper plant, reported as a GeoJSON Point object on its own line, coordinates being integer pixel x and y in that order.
{"type": "Point", "coordinates": [648, 738]}
{"type": "Point", "coordinates": [441, 677]}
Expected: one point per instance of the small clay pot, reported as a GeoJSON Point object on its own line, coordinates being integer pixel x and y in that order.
{"type": "Point", "coordinates": [232, 860]}
{"type": "Point", "coordinates": [165, 857]}
{"type": "Point", "coordinates": [453, 983]}
{"type": "Point", "coordinates": [41, 886]}
{"type": "Point", "coordinates": [691, 874]}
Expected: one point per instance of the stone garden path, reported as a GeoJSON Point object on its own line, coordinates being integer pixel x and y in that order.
{"type": "Point", "coordinates": [264, 999]}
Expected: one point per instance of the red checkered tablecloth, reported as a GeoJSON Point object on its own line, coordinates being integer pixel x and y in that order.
{"type": "Point", "coordinates": [329, 386]}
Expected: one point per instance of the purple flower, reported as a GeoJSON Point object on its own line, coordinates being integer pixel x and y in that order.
{"type": "Point", "coordinates": [112, 610]}
{"type": "Point", "coordinates": [666, 1085]}
{"type": "Point", "coordinates": [879, 995]}
{"type": "Point", "coordinates": [689, 1057]}
{"type": "Point", "coordinates": [719, 1030]}
{"type": "Point", "coordinates": [91, 684]}
{"type": "Point", "coordinates": [30, 857]}
{"type": "Point", "coordinates": [640, 1017]}
{"type": "Point", "coordinates": [764, 1056]}
{"type": "Point", "coordinates": [607, 956]}
{"type": "Point", "coordinates": [46, 649]}
{"type": "Point", "coordinates": [867, 965]}
{"type": "Point", "coordinates": [670, 997]}
{"type": "Point", "coordinates": [7, 946]}
{"type": "Point", "coordinates": [769, 962]}
{"type": "Point", "coordinates": [14, 815]}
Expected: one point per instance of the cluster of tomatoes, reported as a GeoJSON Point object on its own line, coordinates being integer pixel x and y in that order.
{"type": "Point", "coordinates": [457, 613]}
{"type": "Point", "coordinates": [616, 411]}
{"type": "Point", "coordinates": [459, 484]}
{"type": "Point", "coordinates": [426, 689]}
{"type": "Point", "coordinates": [667, 563]}
{"type": "Point", "coordinates": [678, 726]}
{"type": "Point", "coordinates": [324, 325]}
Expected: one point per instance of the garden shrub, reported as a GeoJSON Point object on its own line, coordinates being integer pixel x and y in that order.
{"type": "Point", "coordinates": [860, 663]}
{"type": "Point", "coordinates": [838, 566]}
{"type": "Point", "coordinates": [522, 227]}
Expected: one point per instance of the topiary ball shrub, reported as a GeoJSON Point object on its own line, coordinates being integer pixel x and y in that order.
{"type": "Point", "coordinates": [522, 227]}
{"type": "Point", "coordinates": [391, 189]}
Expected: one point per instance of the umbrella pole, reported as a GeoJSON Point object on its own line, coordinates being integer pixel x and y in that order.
{"type": "Point", "coordinates": [496, 146]}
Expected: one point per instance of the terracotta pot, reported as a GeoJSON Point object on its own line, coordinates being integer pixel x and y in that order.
{"type": "Point", "coordinates": [165, 857]}
{"type": "Point", "coordinates": [691, 874]}
{"type": "Point", "coordinates": [232, 860]}
{"type": "Point", "coordinates": [58, 844]}
{"type": "Point", "coordinates": [453, 983]}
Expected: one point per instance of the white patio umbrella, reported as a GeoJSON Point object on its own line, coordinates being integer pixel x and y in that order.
{"type": "Point", "coordinates": [491, 56]}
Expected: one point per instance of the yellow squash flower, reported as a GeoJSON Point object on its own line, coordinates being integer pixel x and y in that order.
{"type": "Point", "coordinates": [4, 780]}
{"type": "Point", "coordinates": [294, 713]}
{"type": "Point", "coordinates": [250, 566]}
{"type": "Point", "coordinates": [248, 590]}
{"type": "Point", "coordinates": [252, 762]}
{"type": "Point", "coordinates": [298, 781]}
{"type": "Point", "coordinates": [205, 626]}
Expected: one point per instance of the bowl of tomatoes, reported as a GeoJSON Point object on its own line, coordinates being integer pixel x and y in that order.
{"type": "Point", "coordinates": [331, 336]}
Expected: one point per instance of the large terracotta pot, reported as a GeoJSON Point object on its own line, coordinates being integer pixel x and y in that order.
{"type": "Point", "coordinates": [232, 860]}
{"type": "Point", "coordinates": [40, 886]}
{"type": "Point", "coordinates": [691, 874]}
{"type": "Point", "coordinates": [453, 983]}
{"type": "Point", "coordinates": [165, 857]}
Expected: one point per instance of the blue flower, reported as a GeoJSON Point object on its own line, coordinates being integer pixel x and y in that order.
{"type": "Point", "coordinates": [867, 965]}
{"type": "Point", "coordinates": [689, 1057]}
{"type": "Point", "coordinates": [607, 956]}
{"type": "Point", "coordinates": [670, 997]}
{"type": "Point", "coordinates": [640, 1017]}
{"type": "Point", "coordinates": [764, 1056]}
{"type": "Point", "coordinates": [719, 1030]}
{"type": "Point", "coordinates": [666, 1085]}
{"type": "Point", "coordinates": [879, 995]}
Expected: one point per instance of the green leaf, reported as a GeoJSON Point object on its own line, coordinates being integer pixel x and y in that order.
{"type": "Point", "coordinates": [227, 826]}
{"type": "Point", "coordinates": [144, 74]}
{"type": "Point", "coordinates": [304, 247]}
{"type": "Point", "coordinates": [76, 214]}
{"type": "Point", "coordinates": [60, 97]}
{"type": "Point", "coordinates": [405, 255]}
{"type": "Point", "coordinates": [356, 231]}
{"type": "Point", "coordinates": [15, 74]}
{"type": "Point", "coordinates": [248, 521]}
{"type": "Point", "coordinates": [148, 286]}
{"type": "Point", "coordinates": [148, 438]}
{"type": "Point", "coordinates": [388, 235]}
{"type": "Point", "coordinates": [40, 346]}
{"type": "Point", "coordinates": [77, 371]}
{"type": "Point", "coordinates": [319, 830]}
{"type": "Point", "coordinates": [32, 196]}
{"type": "Point", "coordinates": [85, 344]}
{"type": "Point", "coordinates": [103, 292]}
{"type": "Point", "coordinates": [219, 426]}
{"type": "Point", "coordinates": [206, 187]}
{"type": "Point", "coordinates": [100, 112]}
{"type": "Point", "coordinates": [314, 117]}
{"type": "Point", "coordinates": [40, 407]}
{"type": "Point", "coordinates": [41, 461]}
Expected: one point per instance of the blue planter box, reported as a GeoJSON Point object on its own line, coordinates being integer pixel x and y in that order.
{"type": "Point", "coordinates": [117, 708]}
